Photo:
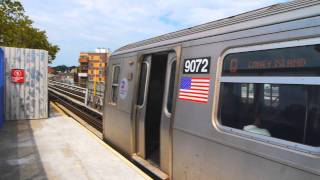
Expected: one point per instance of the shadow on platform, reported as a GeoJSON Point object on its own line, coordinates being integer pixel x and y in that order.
{"type": "Point", "coordinates": [19, 156]}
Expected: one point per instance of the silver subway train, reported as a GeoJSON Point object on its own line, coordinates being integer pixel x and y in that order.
{"type": "Point", "coordinates": [237, 98]}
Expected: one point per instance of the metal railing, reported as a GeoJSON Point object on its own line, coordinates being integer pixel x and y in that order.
{"type": "Point", "coordinates": [83, 95]}
{"type": "Point", "coordinates": [75, 92]}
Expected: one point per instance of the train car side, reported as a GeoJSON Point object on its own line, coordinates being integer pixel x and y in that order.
{"type": "Point", "coordinates": [150, 116]}
{"type": "Point", "coordinates": [201, 150]}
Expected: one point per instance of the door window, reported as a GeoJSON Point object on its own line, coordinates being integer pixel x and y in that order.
{"type": "Point", "coordinates": [171, 86]}
{"type": "Point", "coordinates": [142, 83]}
{"type": "Point", "coordinates": [115, 84]}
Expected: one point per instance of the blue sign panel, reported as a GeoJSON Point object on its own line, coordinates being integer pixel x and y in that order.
{"type": "Point", "coordinates": [2, 84]}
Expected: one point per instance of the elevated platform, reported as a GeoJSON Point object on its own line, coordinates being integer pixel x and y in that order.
{"type": "Point", "coordinates": [59, 148]}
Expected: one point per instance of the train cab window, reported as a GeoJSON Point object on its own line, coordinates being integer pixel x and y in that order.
{"type": "Point", "coordinates": [274, 93]}
{"type": "Point", "coordinates": [115, 84]}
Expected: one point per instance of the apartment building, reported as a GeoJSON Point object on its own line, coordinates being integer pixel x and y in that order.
{"type": "Point", "coordinates": [93, 66]}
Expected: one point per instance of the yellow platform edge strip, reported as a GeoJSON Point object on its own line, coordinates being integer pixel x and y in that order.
{"type": "Point", "coordinates": [58, 109]}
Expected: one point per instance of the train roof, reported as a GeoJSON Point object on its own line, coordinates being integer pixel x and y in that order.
{"type": "Point", "coordinates": [269, 15]}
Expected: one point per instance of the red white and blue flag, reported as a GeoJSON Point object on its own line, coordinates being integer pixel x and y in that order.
{"type": "Point", "coordinates": [194, 89]}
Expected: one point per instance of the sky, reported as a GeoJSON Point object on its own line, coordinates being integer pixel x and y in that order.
{"type": "Point", "coordinates": [84, 25]}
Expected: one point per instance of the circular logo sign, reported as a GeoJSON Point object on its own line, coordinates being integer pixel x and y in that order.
{"type": "Point", "coordinates": [17, 73]}
{"type": "Point", "coordinates": [123, 90]}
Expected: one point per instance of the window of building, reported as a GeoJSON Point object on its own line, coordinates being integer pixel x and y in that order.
{"type": "Point", "coordinates": [273, 93]}
{"type": "Point", "coordinates": [115, 84]}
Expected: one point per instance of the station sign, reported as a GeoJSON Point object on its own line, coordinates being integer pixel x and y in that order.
{"type": "Point", "coordinates": [17, 76]}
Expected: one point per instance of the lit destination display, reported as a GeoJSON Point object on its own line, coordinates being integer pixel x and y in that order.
{"type": "Point", "coordinates": [293, 59]}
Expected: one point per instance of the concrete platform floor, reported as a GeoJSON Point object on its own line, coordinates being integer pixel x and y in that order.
{"type": "Point", "coordinates": [58, 148]}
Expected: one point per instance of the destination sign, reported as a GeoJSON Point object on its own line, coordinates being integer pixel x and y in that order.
{"type": "Point", "coordinates": [294, 58]}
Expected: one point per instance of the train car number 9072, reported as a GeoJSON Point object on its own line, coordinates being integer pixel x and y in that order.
{"type": "Point", "coordinates": [196, 66]}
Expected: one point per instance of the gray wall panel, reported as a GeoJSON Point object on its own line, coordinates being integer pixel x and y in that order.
{"type": "Point", "coordinates": [28, 100]}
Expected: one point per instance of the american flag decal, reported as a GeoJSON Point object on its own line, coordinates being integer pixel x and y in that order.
{"type": "Point", "coordinates": [194, 89]}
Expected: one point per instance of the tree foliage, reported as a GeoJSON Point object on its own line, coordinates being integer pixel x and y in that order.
{"type": "Point", "coordinates": [61, 68]}
{"type": "Point", "coordinates": [64, 68]}
{"type": "Point", "coordinates": [16, 29]}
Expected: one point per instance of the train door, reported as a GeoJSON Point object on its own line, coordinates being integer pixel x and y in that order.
{"type": "Point", "coordinates": [142, 105]}
{"type": "Point", "coordinates": [154, 108]}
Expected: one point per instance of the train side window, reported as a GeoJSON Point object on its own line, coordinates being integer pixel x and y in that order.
{"type": "Point", "coordinates": [115, 84]}
{"type": "Point", "coordinates": [265, 92]}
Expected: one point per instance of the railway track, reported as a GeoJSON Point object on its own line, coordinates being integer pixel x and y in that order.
{"type": "Point", "coordinates": [70, 98]}
{"type": "Point", "coordinates": [75, 92]}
